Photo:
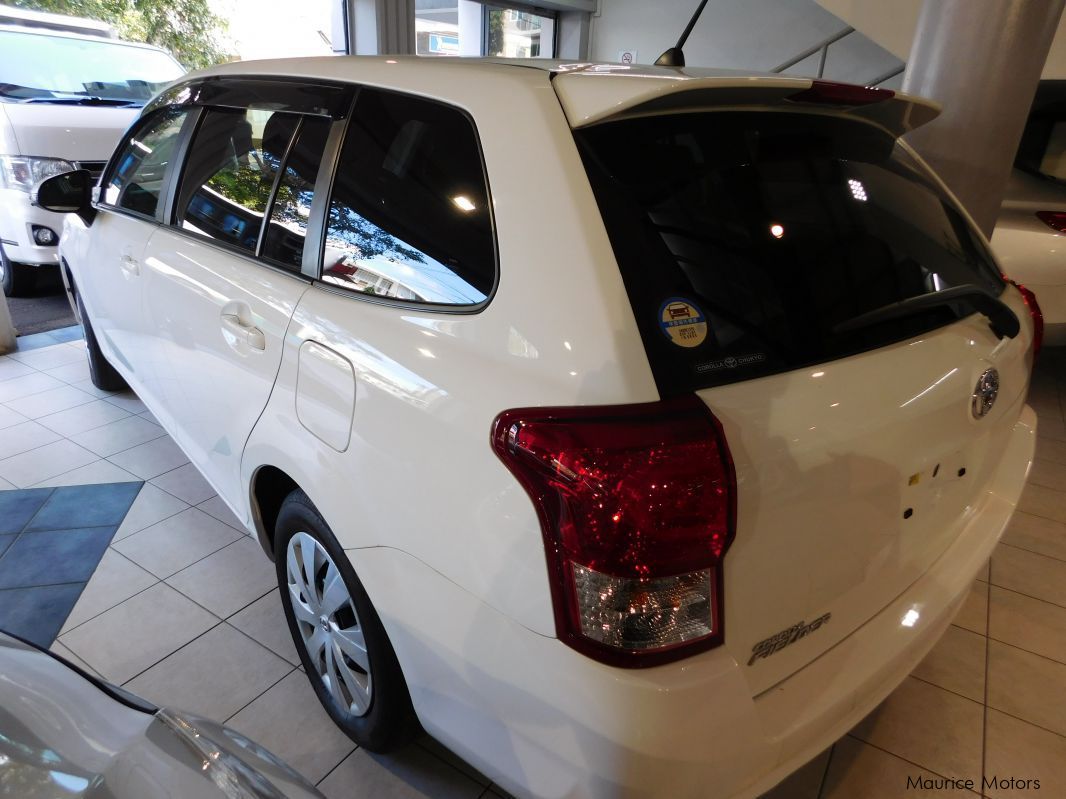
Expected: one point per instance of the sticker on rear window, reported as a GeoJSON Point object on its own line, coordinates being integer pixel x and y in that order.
{"type": "Point", "coordinates": [682, 322]}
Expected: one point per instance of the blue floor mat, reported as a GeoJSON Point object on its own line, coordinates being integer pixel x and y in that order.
{"type": "Point", "coordinates": [51, 541]}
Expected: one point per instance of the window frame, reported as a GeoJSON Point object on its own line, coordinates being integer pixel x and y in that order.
{"type": "Point", "coordinates": [142, 122]}
{"type": "Point", "coordinates": [327, 199]}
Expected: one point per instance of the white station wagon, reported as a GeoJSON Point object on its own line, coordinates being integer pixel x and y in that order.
{"type": "Point", "coordinates": [634, 431]}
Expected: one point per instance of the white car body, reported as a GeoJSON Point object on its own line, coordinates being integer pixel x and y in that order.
{"type": "Point", "coordinates": [85, 136]}
{"type": "Point", "coordinates": [1032, 252]}
{"type": "Point", "coordinates": [381, 413]}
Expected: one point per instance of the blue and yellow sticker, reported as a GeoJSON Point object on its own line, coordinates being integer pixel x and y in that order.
{"type": "Point", "coordinates": [682, 322]}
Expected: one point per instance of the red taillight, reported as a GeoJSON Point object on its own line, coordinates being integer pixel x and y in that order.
{"type": "Point", "coordinates": [637, 504]}
{"type": "Point", "coordinates": [827, 92]}
{"type": "Point", "coordinates": [1035, 313]}
{"type": "Point", "coordinates": [1056, 220]}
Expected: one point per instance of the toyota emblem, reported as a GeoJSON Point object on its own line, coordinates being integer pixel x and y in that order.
{"type": "Point", "coordinates": [984, 393]}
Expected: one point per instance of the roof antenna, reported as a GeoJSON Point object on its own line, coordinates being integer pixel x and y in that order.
{"type": "Point", "coordinates": [674, 57]}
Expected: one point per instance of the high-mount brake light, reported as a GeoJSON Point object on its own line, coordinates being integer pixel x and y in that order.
{"type": "Point", "coordinates": [825, 92]}
{"type": "Point", "coordinates": [637, 505]}
{"type": "Point", "coordinates": [1056, 220]}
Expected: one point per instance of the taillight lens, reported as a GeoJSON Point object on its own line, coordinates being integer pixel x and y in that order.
{"type": "Point", "coordinates": [637, 505]}
{"type": "Point", "coordinates": [1056, 220]}
{"type": "Point", "coordinates": [1035, 313]}
{"type": "Point", "coordinates": [827, 92]}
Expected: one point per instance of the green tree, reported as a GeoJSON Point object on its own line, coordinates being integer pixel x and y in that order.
{"type": "Point", "coordinates": [495, 44]}
{"type": "Point", "coordinates": [187, 28]}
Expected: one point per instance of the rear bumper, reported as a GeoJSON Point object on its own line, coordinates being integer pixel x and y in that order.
{"type": "Point", "coordinates": [16, 218]}
{"type": "Point", "coordinates": [545, 721]}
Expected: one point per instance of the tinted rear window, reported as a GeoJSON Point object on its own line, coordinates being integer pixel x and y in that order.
{"type": "Point", "coordinates": [745, 238]}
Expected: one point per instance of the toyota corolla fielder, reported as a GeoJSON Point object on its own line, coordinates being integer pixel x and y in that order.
{"type": "Point", "coordinates": [633, 430]}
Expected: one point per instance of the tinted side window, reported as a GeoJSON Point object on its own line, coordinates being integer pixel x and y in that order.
{"type": "Point", "coordinates": [284, 241]}
{"type": "Point", "coordinates": [233, 160]}
{"type": "Point", "coordinates": [409, 216]}
{"type": "Point", "coordinates": [136, 181]}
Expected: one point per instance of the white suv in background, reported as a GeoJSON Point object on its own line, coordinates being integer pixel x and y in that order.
{"type": "Point", "coordinates": [67, 93]}
{"type": "Point", "coordinates": [633, 430]}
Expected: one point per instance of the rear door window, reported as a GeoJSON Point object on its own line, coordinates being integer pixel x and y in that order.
{"type": "Point", "coordinates": [409, 218]}
{"type": "Point", "coordinates": [746, 239]}
{"type": "Point", "coordinates": [234, 160]}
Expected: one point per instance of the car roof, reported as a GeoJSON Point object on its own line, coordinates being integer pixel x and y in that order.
{"type": "Point", "coordinates": [592, 92]}
{"type": "Point", "coordinates": [84, 37]}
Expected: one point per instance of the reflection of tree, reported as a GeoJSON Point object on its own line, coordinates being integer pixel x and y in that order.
{"type": "Point", "coordinates": [247, 187]}
{"type": "Point", "coordinates": [495, 45]}
{"type": "Point", "coordinates": [367, 239]}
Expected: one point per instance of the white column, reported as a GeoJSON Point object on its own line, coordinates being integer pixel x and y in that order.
{"type": "Point", "coordinates": [471, 32]}
{"type": "Point", "coordinates": [981, 59]}
{"type": "Point", "coordinates": [7, 328]}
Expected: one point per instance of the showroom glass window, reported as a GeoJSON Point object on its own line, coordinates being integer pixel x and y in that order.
{"type": "Point", "coordinates": [409, 215]}
{"type": "Point", "coordinates": [136, 180]}
{"type": "Point", "coordinates": [235, 157]}
{"type": "Point", "coordinates": [445, 28]}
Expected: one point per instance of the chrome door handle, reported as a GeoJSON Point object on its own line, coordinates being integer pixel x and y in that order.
{"type": "Point", "coordinates": [241, 330]}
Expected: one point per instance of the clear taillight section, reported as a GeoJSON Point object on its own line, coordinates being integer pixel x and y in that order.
{"type": "Point", "coordinates": [637, 506]}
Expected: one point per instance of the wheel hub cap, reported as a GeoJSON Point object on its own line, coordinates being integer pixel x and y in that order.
{"type": "Point", "coordinates": [330, 630]}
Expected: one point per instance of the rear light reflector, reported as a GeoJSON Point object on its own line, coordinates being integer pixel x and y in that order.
{"type": "Point", "coordinates": [1056, 220]}
{"type": "Point", "coordinates": [637, 506]}
{"type": "Point", "coordinates": [826, 92]}
{"type": "Point", "coordinates": [1036, 314]}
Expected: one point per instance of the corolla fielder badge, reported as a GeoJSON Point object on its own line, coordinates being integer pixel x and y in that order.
{"type": "Point", "coordinates": [775, 643]}
{"type": "Point", "coordinates": [984, 393]}
{"type": "Point", "coordinates": [682, 322]}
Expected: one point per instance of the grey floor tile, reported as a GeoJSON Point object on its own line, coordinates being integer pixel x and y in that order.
{"type": "Point", "coordinates": [1015, 749]}
{"type": "Point", "coordinates": [48, 357]}
{"type": "Point", "coordinates": [80, 418]}
{"type": "Point", "coordinates": [1028, 686]}
{"type": "Point", "coordinates": [1037, 534]}
{"type": "Point", "coordinates": [10, 418]}
{"type": "Point", "coordinates": [973, 615]}
{"type": "Point", "coordinates": [186, 483]}
{"type": "Point", "coordinates": [308, 741]}
{"type": "Point", "coordinates": [957, 663]}
{"type": "Point", "coordinates": [213, 676]}
{"type": "Point", "coordinates": [151, 505]}
{"type": "Point", "coordinates": [229, 579]}
{"type": "Point", "coordinates": [136, 634]}
{"type": "Point", "coordinates": [1030, 573]}
{"type": "Point", "coordinates": [441, 752]}
{"type": "Point", "coordinates": [860, 771]}
{"type": "Point", "coordinates": [1049, 474]}
{"type": "Point", "coordinates": [804, 783]}
{"type": "Point", "coordinates": [70, 657]}
{"type": "Point", "coordinates": [99, 471]}
{"type": "Point", "coordinates": [169, 546]}
{"type": "Point", "coordinates": [1027, 623]}
{"type": "Point", "coordinates": [151, 459]}
{"type": "Point", "coordinates": [264, 620]}
{"type": "Point", "coordinates": [119, 436]}
{"type": "Point", "coordinates": [29, 468]}
{"type": "Point", "coordinates": [1050, 449]}
{"type": "Point", "coordinates": [115, 580]}
{"type": "Point", "coordinates": [216, 507]}
{"type": "Point", "coordinates": [24, 437]}
{"type": "Point", "coordinates": [71, 372]}
{"type": "Point", "coordinates": [25, 385]}
{"type": "Point", "coordinates": [1040, 501]}
{"type": "Point", "coordinates": [127, 401]}
{"type": "Point", "coordinates": [10, 368]}
{"type": "Point", "coordinates": [948, 739]}
{"type": "Point", "coordinates": [50, 401]}
{"type": "Point", "coordinates": [410, 773]}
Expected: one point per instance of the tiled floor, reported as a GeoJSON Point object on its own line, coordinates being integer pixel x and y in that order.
{"type": "Point", "coordinates": [182, 610]}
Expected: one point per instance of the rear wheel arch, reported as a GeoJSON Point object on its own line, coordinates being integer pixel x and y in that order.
{"type": "Point", "coordinates": [270, 487]}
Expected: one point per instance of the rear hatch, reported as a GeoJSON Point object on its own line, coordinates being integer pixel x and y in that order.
{"type": "Point", "coordinates": [751, 237]}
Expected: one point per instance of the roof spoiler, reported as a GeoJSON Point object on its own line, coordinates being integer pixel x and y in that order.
{"type": "Point", "coordinates": [595, 95]}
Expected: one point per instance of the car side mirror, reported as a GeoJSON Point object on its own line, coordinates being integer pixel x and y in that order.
{"type": "Point", "coordinates": [69, 193]}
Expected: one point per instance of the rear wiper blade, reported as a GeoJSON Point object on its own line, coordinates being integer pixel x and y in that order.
{"type": "Point", "coordinates": [1001, 318]}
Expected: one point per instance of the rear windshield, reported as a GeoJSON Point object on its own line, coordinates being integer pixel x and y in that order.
{"type": "Point", "coordinates": [744, 239]}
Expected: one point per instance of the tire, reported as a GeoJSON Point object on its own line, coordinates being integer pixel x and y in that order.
{"type": "Point", "coordinates": [373, 708]}
{"type": "Point", "coordinates": [104, 376]}
{"type": "Point", "coordinates": [17, 279]}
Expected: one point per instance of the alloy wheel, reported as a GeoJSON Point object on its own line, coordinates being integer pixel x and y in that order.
{"type": "Point", "coordinates": [329, 625]}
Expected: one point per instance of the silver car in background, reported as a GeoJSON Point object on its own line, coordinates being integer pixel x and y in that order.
{"type": "Point", "coordinates": [66, 734]}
